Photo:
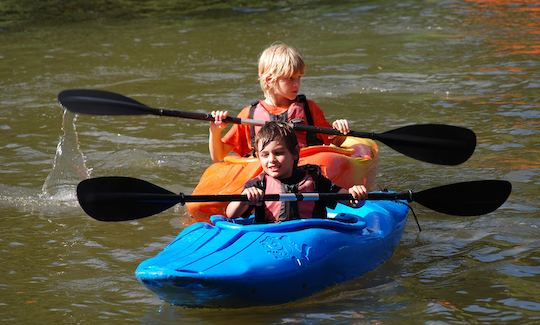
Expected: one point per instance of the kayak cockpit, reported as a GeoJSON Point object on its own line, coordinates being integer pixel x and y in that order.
{"type": "Point", "coordinates": [343, 222]}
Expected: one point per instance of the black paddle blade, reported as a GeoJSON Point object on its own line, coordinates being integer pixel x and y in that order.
{"type": "Point", "coordinates": [118, 198]}
{"type": "Point", "coordinates": [465, 199]}
{"type": "Point", "coordinates": [434, 143]}
{"type": "Point", "coordinates": [100, 102]}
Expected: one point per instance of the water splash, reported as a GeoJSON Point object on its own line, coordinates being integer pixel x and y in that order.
{"type": "Point", "coordinates": [69, 166]}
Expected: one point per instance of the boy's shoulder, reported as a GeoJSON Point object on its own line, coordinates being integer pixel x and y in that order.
{"type": "Point", "coordinates": [244, 113]}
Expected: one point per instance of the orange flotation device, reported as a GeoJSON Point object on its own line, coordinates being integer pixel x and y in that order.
{"type": "Point", "coordinates": [355, 162]}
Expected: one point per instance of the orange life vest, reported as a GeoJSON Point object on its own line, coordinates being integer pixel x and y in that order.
{"type": "Point", "coordinates": [306, 179]}
{"type": "Point", "coordinates": [298, 113]}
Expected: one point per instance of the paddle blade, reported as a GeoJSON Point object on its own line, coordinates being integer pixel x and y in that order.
{"type": "Point", "coordinates": [465, 199]}
{"type": "Point", "coordinates": [117, 198]}
{"type": "Point", "coordinates": [100, 102]}
{"type": "Point", "coordinates": [434, 143]}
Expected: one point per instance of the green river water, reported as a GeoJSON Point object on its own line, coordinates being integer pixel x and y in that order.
{"type": "Point", "coordinates": [380, 64]}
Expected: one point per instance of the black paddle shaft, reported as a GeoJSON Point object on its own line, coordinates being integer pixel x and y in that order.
{"type": "Point", "coordinates": [115, 198]}
{"type": "Point", "coordinates": [434, 143]}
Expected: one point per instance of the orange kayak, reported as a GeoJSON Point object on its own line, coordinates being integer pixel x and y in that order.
{"type": "Point", "coordinates": [355, 162]}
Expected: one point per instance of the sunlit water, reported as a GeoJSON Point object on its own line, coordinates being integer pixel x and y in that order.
{"type": "Point", "coordinates": [380, 64]}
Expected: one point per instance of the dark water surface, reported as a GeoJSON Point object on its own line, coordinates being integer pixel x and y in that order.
{"type": "Point", "coordinates": [380, 64]}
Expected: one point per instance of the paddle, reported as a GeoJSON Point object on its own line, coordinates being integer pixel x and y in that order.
{"type": "Point", "coordinates": [116, 198]}
{"type": "Point", "coordinates": [434, 143]}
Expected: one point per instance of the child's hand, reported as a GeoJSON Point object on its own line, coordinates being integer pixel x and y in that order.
{"type": "Point", "coordinates": [254, 195]}
{"type": "Point", "coordinates": [359, 193]}
{"type": "Point", "coordinates": [342, 126]}
{"type": "Point", "coordinates": [219, 116]}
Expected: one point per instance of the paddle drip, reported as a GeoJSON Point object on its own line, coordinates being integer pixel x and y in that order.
{"type": "Point", "coordinates": [69, 166]}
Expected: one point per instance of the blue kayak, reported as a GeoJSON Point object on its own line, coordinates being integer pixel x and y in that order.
{"type": "Point", "coordinates": [231, 263]}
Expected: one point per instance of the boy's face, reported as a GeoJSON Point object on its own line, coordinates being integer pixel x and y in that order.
{"type": "Point", "coordinates": [288, 87]}
{"type": "Point", "coordinates": [276, 160]}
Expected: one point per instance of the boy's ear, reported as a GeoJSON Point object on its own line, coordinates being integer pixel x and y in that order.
{"type": "Point", "coordinates": [268, 80]}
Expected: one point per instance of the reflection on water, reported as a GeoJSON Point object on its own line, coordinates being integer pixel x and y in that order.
{"type": "Point", "coordinates": [512, 26]}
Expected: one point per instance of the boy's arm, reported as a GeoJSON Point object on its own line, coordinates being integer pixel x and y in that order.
{"type": "Point", "coordinates": [236, 139]}
{"type": "Point", "coordinates": [218, 149]}
{"type": "Point", "coordinates": [359, 194]}
{"type": "Point", "coordinates": [235, 209]}
{"type": "Point", "coordinates": [238, 208]}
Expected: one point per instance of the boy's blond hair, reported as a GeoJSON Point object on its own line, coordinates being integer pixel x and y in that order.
{"type": "Point", "coordinates": [279, 61]}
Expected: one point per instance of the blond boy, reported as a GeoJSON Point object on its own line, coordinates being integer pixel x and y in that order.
{"type": "Point", "coordinates": [281, 68]}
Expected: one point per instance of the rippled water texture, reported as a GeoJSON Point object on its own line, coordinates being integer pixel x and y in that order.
{"type": "Point", "coordinates": [380, 64]}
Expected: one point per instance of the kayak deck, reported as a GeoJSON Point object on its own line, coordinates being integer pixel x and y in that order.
{"type": "Point", "coordinates": [230, 264]}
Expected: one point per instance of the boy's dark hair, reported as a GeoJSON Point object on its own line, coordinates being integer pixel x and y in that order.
{"type": "Point", "coordinates": [277, 131]}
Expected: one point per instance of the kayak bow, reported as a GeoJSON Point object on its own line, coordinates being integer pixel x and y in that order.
{"type": "Point", "coordinates": [227, 264]}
